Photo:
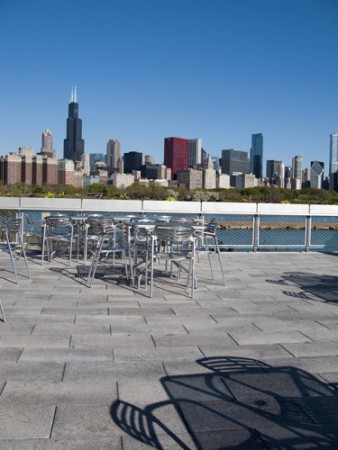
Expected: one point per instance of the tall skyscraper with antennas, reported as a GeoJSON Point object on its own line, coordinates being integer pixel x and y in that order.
{"type": "Point", "coordinates": [73, 145]}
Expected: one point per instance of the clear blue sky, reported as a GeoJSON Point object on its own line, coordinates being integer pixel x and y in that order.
{"type": "Point", "coordinates": [219, 70]}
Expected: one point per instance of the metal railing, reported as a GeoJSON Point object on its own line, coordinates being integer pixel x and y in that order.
{"type": "Point", "coordinates": [242, 226]}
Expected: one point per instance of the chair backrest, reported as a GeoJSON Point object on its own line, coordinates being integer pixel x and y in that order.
{"type": "Point", "coordinates": [176, 234]}
{"type": "Point", "coordinates": [211, 227]}
{"type": "Point", "coordinates": [98, 224]}
{"type": "Point", "coordinates": [58, 225]}
{"type": "Point", "coordinates": [14, 225]}
{"type": "Point", "coordinates": [58, 221]}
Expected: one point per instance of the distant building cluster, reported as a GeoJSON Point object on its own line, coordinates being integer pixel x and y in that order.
{"type": "Point", "coordinates": [185, 163]}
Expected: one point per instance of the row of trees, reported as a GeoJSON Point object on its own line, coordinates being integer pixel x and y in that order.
{"type": "Point", "coordinates": [156, 192]}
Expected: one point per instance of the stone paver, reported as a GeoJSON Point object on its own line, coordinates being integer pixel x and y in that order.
{"type": "Point", "coordinates": [252, 365]}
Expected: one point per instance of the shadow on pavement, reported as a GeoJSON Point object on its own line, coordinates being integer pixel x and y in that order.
{"type": "Point", "coordinates": [324, 287]}
{"type": "Point", "coordinates": [239, 403]}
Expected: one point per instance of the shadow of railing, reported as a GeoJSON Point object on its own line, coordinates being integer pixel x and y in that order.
{"type": "Point", "coordinates": [238, 403]}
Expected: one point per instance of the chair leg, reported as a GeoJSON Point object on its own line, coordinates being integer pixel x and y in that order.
{"type": "Point", "coordinates": [2, 311]}
{"type": "Point", "coordinates": [95, 261]}
{"type": "Point", "coordinates": [12, 258]}
{"type": "Point", "coordinates": [23, 251]}
{"type": "Point", "coordinates": [219, 258]}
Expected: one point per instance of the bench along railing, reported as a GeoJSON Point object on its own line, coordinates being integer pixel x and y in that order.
{"type": "Point", "coordinates": [242, 226]}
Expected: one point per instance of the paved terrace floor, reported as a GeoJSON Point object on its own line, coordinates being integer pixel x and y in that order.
{"type": "Point", "coordinates": [252, 365]}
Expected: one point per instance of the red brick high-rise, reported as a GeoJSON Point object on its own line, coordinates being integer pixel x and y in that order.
{"type": "Point", "coordinates": [176, 154]}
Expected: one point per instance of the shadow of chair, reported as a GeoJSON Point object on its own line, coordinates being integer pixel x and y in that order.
{"type": "Point", "coordinates": [14, 242]}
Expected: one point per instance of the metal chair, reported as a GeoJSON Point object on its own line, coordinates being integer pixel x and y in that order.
{"type": "Point", "coordinates": [208, 242]}
{"type": "Point", "coordinates": [175, 245]}
{"type": "Point", "coordinates": [58, 235]}
{"type": "Point", "coordinates": [14, 240]}
{"type": "Point", "coordinates": [106, 240]}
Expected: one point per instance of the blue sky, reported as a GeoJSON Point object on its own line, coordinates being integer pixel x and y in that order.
{"type": "Point", "coordinates": [219, 70]}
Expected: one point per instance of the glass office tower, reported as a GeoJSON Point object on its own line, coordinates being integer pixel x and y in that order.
{"type": "Point", "coordinates": [256, 155]}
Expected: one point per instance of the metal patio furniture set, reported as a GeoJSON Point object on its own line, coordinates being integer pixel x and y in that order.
{"type": "Point", "coordinates": [147, 248]}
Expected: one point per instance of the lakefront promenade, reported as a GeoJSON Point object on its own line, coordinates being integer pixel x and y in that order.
{"type": "Point", "coordinates": [249, 365]}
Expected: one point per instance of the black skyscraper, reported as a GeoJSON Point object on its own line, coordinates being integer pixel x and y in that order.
{"type": "Point", "coordinates": [73, 145]}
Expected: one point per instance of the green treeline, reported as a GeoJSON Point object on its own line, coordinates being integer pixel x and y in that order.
{"type": "Point", "coordinates": [156, 192]}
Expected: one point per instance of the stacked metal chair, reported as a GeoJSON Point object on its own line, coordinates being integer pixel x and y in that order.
{"type": "Point", "coordinates": [104, 240]}
{"type": "Point", "coordinates": [174, 244]}
{"type": "Point", "coordinates": [14, 241]}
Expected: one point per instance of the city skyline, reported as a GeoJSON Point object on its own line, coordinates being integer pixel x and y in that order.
{"type": "Point", "coordinates": [221, 71]}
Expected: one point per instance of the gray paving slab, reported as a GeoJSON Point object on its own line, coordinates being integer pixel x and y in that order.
{"type": "Point", "coordinates": [322, 335]}
{"type": "Point", "coordinates": [10, 354]}
{"type": "Point", "coordinates": [149, 312]}
{"type": "Point", "coordinates": [112, 443]}
{"type": "Point", "coordinates": [114, 340]}
{"type": "Point", "coordinates": [69, 329]}
{"type": "Point", "coordinates": [85, 422]}
{"type": "Point", "coordinates": [66, 355]}
{"type": "Point", "coordinates": [312, 365]}
{"type": "Point", "coordinates": [259, 338]}
{"type": "Point", "coordinates": [20, 329]}
{"type": "Point", "coordinates": [92, 371]}
{"type": "Point", "coordinates": [31, 371]}
{"type": "Point", "coordinates": [16, 421]}
{"type": "Point", "coordinates": [10, 340]}
{"type": "Point", "coordinates": [156, 354]}
{"type": "Point", "coordinates": [267, 351]}
{"type": "Point", "coordinates": [193, 340]}
{"type": "Point", "coordinates": [59, 393]}
{"type": "Point", "coordinates": [312, 349]}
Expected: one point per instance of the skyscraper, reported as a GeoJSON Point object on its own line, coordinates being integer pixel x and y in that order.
{"type": "Point", "coordinates": [47, 144]}
{"type": "Point", "coordinates": [234, 161]}
{"type": "Point", "coordinates": [113, 154]}
{"type": "Point", "coordinates": [316, 174]}
{"type": "Point", "coordinates": [195, 152]}
{"type": "Point", "coordinates": [176, 154]}
{"type": "Point", "coordinates": [333, 164]}
{"type": "Point", "coordinates": [132, 161]}
{"type": "Point", "coordinates": [296, 181]}
{"type": "Point", "coordinates": [73, 145]}
{"type": "Point", "coordinates": [256, 155]}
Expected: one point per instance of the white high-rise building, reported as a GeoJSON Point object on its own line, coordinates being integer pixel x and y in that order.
{"type": "Point", "coordinates": [316, 175]}
{"type": "Point", "coordinates": [296, 182]}
{"type": "Point", "coordinates": [195, 152]}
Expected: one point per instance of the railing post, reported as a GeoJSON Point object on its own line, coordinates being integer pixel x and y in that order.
{"type": "Point", "coordinates": [308, 223]}
{"type": "Point", "coordinates": [255, 231]}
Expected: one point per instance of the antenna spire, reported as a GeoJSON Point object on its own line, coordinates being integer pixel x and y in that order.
{"type": "Point", "coordinates": [73, 95]}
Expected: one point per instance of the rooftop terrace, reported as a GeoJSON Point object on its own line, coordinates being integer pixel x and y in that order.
{"type": "Point", "coordinates": [250, 365]}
